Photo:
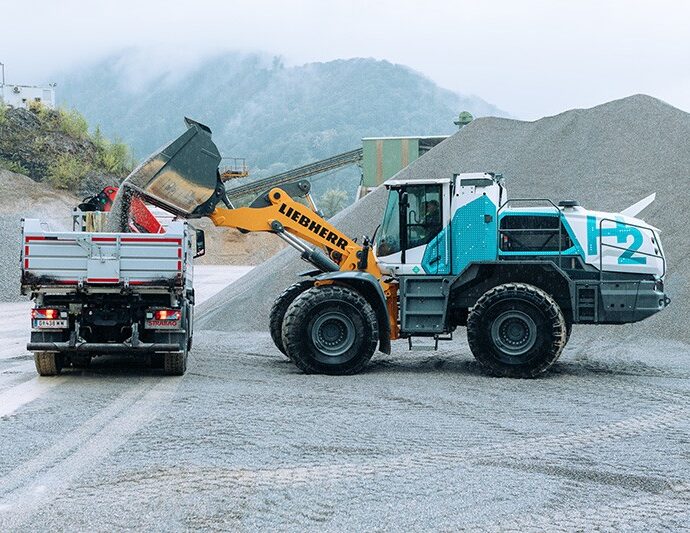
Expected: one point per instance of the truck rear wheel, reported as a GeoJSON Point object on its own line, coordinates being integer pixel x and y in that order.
{"type": "Point", "coordinates": [516, 330]}
{"type": "Point", "coordinates": [175, 363]}
{"type": "Point", "coordinates": [280, 307]}
{"type": "Point", "coordinates": [48, 363]}
{"type": "Point", "coordinates": [330, 330]}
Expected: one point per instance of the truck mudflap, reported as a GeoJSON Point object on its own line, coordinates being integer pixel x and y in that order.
{"type": "Point", "coordinates": [103, 347]}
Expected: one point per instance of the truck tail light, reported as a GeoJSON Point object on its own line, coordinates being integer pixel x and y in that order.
{"type": "Point", "coordinates": [45, 314]}
{"type": "Point", "coordinates": [167, 314]}
{"type": "Point", "coordinates": [163, 318]}
{"type": "Point", "coordinates": [49, 318]}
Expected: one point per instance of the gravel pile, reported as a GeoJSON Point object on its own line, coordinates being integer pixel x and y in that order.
{"type": "Point", "coordinates": [21, 197]}
{"type": "Point", "coordinates": [606, 157]}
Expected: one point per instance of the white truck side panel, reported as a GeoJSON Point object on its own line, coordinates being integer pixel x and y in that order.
{"type": "Point", "coordinates": [67, 257]}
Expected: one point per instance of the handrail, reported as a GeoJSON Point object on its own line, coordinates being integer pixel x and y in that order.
{"type": "Point", "coordinates": [659, 255]}
{"type": "Point", "coordinates": [548, 201]}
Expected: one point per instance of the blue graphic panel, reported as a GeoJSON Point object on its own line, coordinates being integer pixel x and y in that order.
{"type": "Point", "coordinates": [621, 231]}
{"type": "Point", "coordinates": [474, 234]}
{"type": "Point", "coordinates": [436, 258]}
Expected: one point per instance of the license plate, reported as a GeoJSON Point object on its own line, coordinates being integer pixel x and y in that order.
{"type": "Point", "coordinates": [162, 324]}
{"type": "Point", "coordinates": [50, 324]}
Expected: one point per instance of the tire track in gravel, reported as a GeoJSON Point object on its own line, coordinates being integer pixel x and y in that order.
{"type": "Point", "coordinates": [35, 483]}
{"type": "Point", "coordinates": [518, 449]}
{"type": "Point", "coordinates": [666, 510]}
{"type": "Point", "coordinates": [27, 391]}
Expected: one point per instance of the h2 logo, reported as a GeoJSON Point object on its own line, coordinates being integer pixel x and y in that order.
{"type": "Point", "coordinates": [621, 231]}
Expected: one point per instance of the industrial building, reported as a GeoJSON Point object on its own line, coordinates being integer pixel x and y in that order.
{"type": "Point", "coordinates": [15, 95]}
{"type": "Point", "coordinates": [383, 157]}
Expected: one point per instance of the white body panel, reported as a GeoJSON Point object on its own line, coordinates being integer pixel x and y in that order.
{"type": "Point", "coordinates": [464, 194]}
{"type": "Point", "coordinates": [616, 243]}
{"type": "Point", "coordinates": [69, 258]}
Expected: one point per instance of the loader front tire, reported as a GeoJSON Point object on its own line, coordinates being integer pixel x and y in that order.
{"type": "Point", "coordinates": [48, 363]}
{"type": "Point", "coordinates": [280, 307]}
{"type": "Point", "coordinates": [330, 330]}
{"type": "Point", "coordinates": [516, 330]}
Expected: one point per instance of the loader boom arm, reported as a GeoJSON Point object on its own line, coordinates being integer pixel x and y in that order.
{"type": "Point", "coordinates": [281, 213]}
{"type": "Point", "coordinates": [277, 212]}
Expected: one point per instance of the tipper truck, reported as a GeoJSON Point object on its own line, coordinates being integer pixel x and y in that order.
{"type": "Point", "coordinates": [97, 291]}
{"type": "Point", "coordinates": [452, 251]}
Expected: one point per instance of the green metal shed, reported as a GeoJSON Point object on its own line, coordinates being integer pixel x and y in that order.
{"type": "Point", "coordinates": [383, 157]}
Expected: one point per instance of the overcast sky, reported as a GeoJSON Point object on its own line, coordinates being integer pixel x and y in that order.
{"type": "Point", "coordinates": [530, 58]}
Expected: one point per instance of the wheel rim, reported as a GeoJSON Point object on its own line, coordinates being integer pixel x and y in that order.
{"type": "Point", "coordinates": [333, 333]}
{"type": "Point", "coordinates": [514, 333]}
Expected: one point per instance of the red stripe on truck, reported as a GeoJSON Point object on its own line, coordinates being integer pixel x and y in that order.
{"type": "Point", "coordinates": [150, 239]}
{"type": "Point", "coordinates": [103, 239]}
{"type": "Point", "coordinates": [103, 280]}
{"type": "Point", "coordinates": [43, 238]}
{"type": "Point", "coordinates": [26, 264]}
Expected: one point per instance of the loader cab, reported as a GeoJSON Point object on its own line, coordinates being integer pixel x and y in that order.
{"type": "Point", "coordinates": [409, 240]}
{"type": "Point", "coordinates": [439, 226]}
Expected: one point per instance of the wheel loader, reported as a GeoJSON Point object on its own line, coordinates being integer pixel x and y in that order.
{"type": "Point", "coordinates": [450, 251]}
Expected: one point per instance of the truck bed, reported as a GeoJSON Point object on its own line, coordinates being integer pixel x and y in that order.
{"type": "Point", "coordinates": [66, 258]}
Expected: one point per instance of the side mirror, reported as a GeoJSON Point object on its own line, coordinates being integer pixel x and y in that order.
{"type": "Point", "coordinates": [200, 243]}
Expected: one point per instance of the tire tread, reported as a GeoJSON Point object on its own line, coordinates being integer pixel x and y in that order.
{"type": "Point", "coordinates": [297, 312]}
{"type": "Point", "coordinates": [47, 363]}
{"type": "Point", "coordinates": [280, 307]}
{"type": "Point", "coordinates": [525, 292]}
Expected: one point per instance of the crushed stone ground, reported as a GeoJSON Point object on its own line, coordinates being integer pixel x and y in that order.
{"type": "Point", "coordinates": [420, 441]}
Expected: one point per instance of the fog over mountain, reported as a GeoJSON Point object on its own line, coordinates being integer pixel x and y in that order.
{"type": "Point", "coordinates": [275, 116]}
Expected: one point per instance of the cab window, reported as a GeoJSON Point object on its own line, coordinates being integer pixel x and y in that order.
{"type": "Point", "coordinates": [388, 241]}
{"type": "Point", "coordinates": [423, 217]}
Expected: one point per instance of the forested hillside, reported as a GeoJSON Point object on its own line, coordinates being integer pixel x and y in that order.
{"type": "Point", "coordinates": [275, 116]}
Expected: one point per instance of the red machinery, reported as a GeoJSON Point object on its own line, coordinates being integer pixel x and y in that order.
{"type": "Point", "coordinates": [142, 220]}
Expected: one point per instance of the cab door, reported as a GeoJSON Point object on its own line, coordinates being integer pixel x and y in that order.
{"type": "Point", "coordinates": [415, 233]}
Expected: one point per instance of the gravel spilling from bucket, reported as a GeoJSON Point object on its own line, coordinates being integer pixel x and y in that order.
{"type": "Point", "coordinates": [607, 157]}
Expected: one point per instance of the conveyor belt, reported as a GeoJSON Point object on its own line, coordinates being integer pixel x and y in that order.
{"type": "Point", "coordinates": [324, 165]}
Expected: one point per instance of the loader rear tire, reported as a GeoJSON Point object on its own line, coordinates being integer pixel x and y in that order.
{"type": "Point", "coordinates": [280, 307]}
{"type": "Point", "coordinates": [175, 363]}
{"type": "Point", "coordinates": [48, 363]}
{"type": "Point", "coordinates": [516, 330]}
{"type": "Point", "coordinates": [330, 330]}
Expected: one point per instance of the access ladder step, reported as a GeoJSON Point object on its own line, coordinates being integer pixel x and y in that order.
{"type": "Point", "coordinates": [428, 347]}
